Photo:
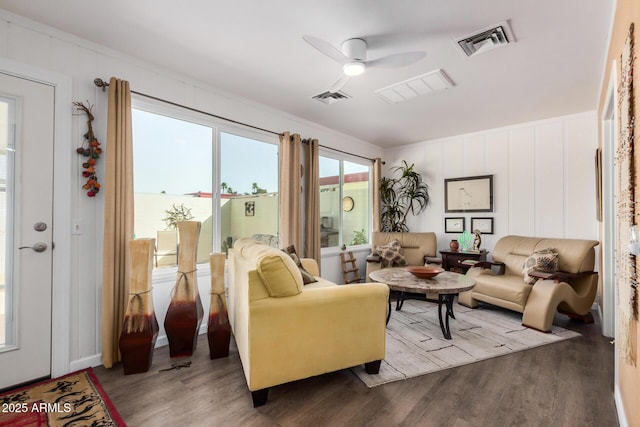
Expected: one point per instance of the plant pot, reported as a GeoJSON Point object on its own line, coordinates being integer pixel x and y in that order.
{"type": "Point", "coordinates": [185, 311]}
{"type": "Point", "coordinates": [140, 328]}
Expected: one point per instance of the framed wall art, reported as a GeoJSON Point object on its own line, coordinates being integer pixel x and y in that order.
{"type": "Point", "coordinates": [469, 194]}
{"type": "Point", "coordinates": [483, 225]}
{"type": "Point", "coordinates": [454, 225]}
{"type": "Point", "coordinates": [249, 208]}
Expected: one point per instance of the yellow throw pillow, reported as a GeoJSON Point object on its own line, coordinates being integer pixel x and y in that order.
{"type": "Point", "coordinates": [280, 275]}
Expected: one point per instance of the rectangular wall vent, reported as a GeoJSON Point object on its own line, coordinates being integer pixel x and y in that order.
{"type": "Point", "coordinates": [486, 39]}
{"type": "Point", "coordinates": [416, 86]}
{"type": "Point", "coordinates": [331, 97]}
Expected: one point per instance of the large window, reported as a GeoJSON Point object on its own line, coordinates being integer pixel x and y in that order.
{"type": "Point", "coordinates": [344, 203]}
{"type": "Point", "coordinates": [173, 178]}
{"type": "Point", "coordinates": [187, 168]}
{"type": "Point", "coordinates": [249, 184]}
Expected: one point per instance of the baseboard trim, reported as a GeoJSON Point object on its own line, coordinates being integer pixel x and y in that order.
{"type": "Point", "coordinates": [622, 415]}
{"type": "Point", "coordinates": [96, 359]}
{"type": "Point", "coordinates": [85, 362]}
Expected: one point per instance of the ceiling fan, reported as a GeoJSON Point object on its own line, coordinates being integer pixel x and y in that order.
{"type": "Point", "coordinates": [352, 55]}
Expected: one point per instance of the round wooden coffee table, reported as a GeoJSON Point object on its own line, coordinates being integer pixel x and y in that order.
{"type": "Point", "coordinates": [446, 285]}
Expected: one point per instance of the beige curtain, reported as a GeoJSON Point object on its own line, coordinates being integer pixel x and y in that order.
{"type": "Point", "coordinates": [312, 200]}
{"type": "Point", "coordinates": [118, 218]}
{"type": "Point", "coordinates": [289, 190]}
{"type": "Point", "coordinates": [375, 194]}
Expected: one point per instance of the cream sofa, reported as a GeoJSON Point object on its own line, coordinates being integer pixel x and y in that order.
{"type": "Point", "coordinates": [286, 331]}
{"type": "Point", "coordinates": [572, 290]}
{"type": "Point", "coordinates": [418, 248]}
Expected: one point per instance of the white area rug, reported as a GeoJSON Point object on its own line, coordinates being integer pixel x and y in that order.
{"type": "Point", "coordinates": [415, 345]}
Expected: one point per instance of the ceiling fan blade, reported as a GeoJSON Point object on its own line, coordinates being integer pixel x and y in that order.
{"type": "Point", "coordinates": [339, 84]}
{"type": "Point", "coordinates": [397, 60]}
{"type": "Point", "coordinates": [326, 48]}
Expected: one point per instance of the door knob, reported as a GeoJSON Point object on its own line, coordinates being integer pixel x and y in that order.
{"type": "Point", "coordinates": [38, 247]}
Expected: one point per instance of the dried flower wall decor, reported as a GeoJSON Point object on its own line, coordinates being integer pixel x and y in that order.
{"type": "Point", "coordinates": [626, 262]}
{"type": "Point", "coordinates": [91, 150]}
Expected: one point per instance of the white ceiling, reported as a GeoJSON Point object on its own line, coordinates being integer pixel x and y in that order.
{"type": "Point", "coordinates": [254, 48]}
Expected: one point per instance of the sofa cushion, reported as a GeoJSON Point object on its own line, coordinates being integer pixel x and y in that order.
{"type": "Point", "coordinates": [280, 274]}
{"type": "Point", "coordinates": [306, 276]}
{"type": "Point", "coordinates": [505, 287]}
{"type": "Point", "coordinates": [576, 255]}
{"type": "Point", "coordinates": [252, 250]}
{"type": "Point", "coordinates": [545, 260]}
{"type": "Point", "coordinates": [513, 251]}
{"type": "Point", "coordinates": [414, 245]}
{"type": "Point", "coordinates": [320, 283]}
{"type": "Point", "coordinates": [391, 255]}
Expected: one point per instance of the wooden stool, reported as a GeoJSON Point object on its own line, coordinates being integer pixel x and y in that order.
{"type": "Point", "coordinates": [349, 268]}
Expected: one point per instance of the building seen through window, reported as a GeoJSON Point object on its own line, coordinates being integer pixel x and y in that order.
{"type": "Point", "coordinates": [186, 168]}
{"type": "Point", "coordinates": [344, 203]}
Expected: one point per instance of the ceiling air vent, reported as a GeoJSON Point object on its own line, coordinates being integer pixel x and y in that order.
{"type": "Point", "coordinates": [331, 97]}
{"type": "Point", "coordinates": [416, 86]}
{"type": "Point", "coordinates": [486, 39]}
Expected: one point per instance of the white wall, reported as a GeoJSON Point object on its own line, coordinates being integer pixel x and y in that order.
{"type": "Point", "coordinates": [544, 182]}
{"type": "Point", "coordinates": [544, 177]}
{"type": "Point", "coordinates": [30, 43]}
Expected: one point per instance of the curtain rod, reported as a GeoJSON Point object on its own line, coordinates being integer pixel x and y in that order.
{"type": "Point", "coordinates": [104, 85]}
{"type": "Point", "coordinates": [101, 83]}
{"type": "Point", "coordinates": [306, 141]}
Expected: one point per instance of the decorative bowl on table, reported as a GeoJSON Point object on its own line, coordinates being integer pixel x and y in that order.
{"type": "Point", "coordinates": [425, 272]}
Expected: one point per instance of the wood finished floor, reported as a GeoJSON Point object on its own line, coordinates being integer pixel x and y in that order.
{"type": "Point", "coordinates": [569, 383]}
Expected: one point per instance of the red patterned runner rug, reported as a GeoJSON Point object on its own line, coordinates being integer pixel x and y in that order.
{"type": "Point", "coordinates": [76, 399]}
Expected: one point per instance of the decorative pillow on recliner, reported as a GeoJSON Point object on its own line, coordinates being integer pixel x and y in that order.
{"type": "Point", "coordinates": [391, 255]}
{"type": "Point", "coordinates": [543, 260]}
{"type": "Point", "coordinates": [306, 276]}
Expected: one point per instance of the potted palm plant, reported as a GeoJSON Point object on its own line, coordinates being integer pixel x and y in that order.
{"type": "Point", "coordinates": [401, 195]}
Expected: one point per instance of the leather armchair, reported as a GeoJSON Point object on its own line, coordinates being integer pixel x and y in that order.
{"type": "Point", "coordinates": [571, 290]}
{"type": "Point", "coordinates": [419, 248]}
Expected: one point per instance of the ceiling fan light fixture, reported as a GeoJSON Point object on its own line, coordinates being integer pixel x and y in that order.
{"type": "Point", "coordinates": [353, 68]}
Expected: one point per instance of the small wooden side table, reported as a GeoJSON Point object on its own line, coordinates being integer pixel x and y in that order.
{"type": "Point", "coordinates": [453, 261]}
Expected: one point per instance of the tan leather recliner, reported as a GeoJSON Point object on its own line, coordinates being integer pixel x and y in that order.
{"type": "Point", "coordinates": [571, 291]}
{"type": "Point", "coordinates": [416, 246]}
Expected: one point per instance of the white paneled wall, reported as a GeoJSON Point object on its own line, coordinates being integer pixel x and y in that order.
{"type": "Point", "coordinates": [544, 177]}
{"type": "Point", "coordinates": [48, 49]}
{"type": "Point", "coordinates": [520, 175]}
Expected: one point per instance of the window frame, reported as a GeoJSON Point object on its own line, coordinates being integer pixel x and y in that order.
{"type": "Point", "coordinates": [341, 158]}
{"type": "Point", "coordinates": [217, 126]}
{"type": "Point", "coordinates": [242, 132]}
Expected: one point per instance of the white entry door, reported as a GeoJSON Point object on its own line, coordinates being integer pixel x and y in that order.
{"type": "Point", "coordinates": [26, 214]}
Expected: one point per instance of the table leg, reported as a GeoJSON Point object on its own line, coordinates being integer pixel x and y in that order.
{"type": "Point", "coordinates": [400, 301]}
{"type": "Point", "coordinates": [447, 299]}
